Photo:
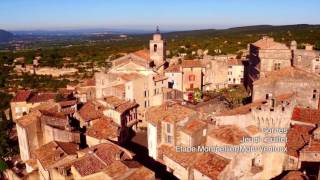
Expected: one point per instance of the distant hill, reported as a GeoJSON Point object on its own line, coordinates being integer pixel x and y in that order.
{"type": "Point", "coordinates": [5, 36]}
{"type": "Point", "coordinates": [233, 39]}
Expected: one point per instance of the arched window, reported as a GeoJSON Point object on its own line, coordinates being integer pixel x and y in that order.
{"type": "Point", "coordinates": [155, 47]}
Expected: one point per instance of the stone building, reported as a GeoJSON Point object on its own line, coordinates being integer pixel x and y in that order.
{"type": "Point", "coordinates": [235, 72]}
{"type": "Point", "coordinates": [106, 161]}
{"type": "Point", "coordinates": [306, 59]}
{"type": "Point", "coordinates": [172, 127]}
{"type": "Point", "coordinates": [266, 55]}
{"type": "Point", "coordinates": [304, 84]}
{"type": "Point", "coordinates": [157, 48]}
{"type": "Point", "coordinates": [86, 91]}
{"type": "Point", "coordinates": [24, 100]}
{"type": "Point", "coordinates": [186, 77]}
{"type": "Point", "coordinates": [41, 126]}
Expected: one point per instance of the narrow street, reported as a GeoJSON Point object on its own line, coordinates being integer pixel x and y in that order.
{"type": "Point", "coordinates": [138, 146]}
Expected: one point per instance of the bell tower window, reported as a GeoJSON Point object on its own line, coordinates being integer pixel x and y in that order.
{"type": "Point", "coordinates": [155, 47]}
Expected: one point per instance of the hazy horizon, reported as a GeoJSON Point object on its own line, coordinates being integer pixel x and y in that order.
{"type": "Point", "coordinates": [19, 15]}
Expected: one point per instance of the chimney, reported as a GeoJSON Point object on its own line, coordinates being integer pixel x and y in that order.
{"type": "Point", "coordinates": [308, 47]}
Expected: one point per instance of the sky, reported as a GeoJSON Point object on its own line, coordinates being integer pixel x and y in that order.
{"type": "Point", "coordinates": [146, 14]}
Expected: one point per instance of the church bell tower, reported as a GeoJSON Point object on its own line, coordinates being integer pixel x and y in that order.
{"type": "Point", "coordinates": [157, 49]}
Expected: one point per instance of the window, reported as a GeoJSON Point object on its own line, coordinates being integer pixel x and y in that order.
{"type": "Point", "coordinates": [192, 77]}
{"type": "Point", "coordinates": [314, 96]}
{"type": "Point", "coordinates": [299, 58]}
{"type": "Point", "coordinates": [155, 47]}
{"type": "Point", "coordinates": [277, 66]}
{"type": "Point", "coordinates": [168, 128]}
{"type": "Point", "coordinates": [145, 93]}
{"type": "Point", "coordinates": [191, 86]}
{"type": "Point", "coordinates": [155, 91]}
{"type": "Point", "coordinates": [145, 104]}
{"type": "Point", "coordinates": [169, 139]}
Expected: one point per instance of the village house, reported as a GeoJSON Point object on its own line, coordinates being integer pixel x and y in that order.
{"type": "Point", "coordinates": [306, 59]}
{"type": "Point", "coordinates": [172, 125]}
{"type": "Point", "coordinates": [48, 158]}
{"type": "Point", "coordinates": [304, 84]}
{"type": "Point", "coordinates": [24, 100]}
{"type": "Point", "coordinates": [43, 124]}
{"type": "Point", "coordinates": [103, 130]}
{"type": "Point", "coordinates": [107, 161]}
{"type": "Point", "coordinates": [88, 113]}
{"type": "Point", "coordinates": [86, 91]}
{"type": "Point", "coordinates": [235, 72]}
{"type": "Point", "coordinates": [186, 77]}
{"type": "Point", "coordinates": [266, 55]}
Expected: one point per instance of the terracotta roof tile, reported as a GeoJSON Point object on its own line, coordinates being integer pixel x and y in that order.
{"type": "Point", "coordinates": [68, 103]}
{"type": "Point", "coordinates": [90, 111]}
{"type": "Point", "coordinates": [100, 158]}
{"type": "Point", "coordinates": [269, 43]}
{"type": "Point", "coordinates": [182, 158]}
{"type": "Point", "coordinates": [22, 96]}
{"type": "Point", "coordinates": [52, 152]}
{"type": "Point", "coordinates": [144, 53]}
{"type": "Point", "coordinates": [103, 128]}
{"type": "Point", "coordinates": [191, 63]}
{"type": "Point", "coordinates": [116, 169]}
{"type": "Point", "coordinates": [42, 97]}
{"type": "Point", "coordinates": [211, 164]}
{"type": "Point", "coordinates": [173, 68]}
{"type": "Point", "coordinates": [169, 111]}
{"type": "Point", "coordinates": [229, 134]}
{"type": "Point", "coordinates": [88, 164]}
{"type": "Point", "coordinates": [28, 119]}
{"type": "Point", "coordinates": [288, 72]}
{"type": "Point", "coordinates": [55, 119]}
{"type": "Point", "coordinates": [194, 126]}
{"type": "Point", "coordinates": [306, 115]}
{"type": "Point", "coordinates": [120, 105]}
{"type": "Point", "coordinates": [297, 137]}
{"type": "Point", "coordinates": [313, 146]}
{"type": "Point", "coordinates": [295, 175]}
{"type": "Point", "coordinates": [159, 77]}
{"type": "Point", "coordinates": [141, 173]}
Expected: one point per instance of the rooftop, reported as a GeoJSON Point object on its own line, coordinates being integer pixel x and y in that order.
{"type": "Point", "coordinates": [182, 158]}
{"type": "Point", "coordinates": [120, 105]}
{"type": "Point", "coordinates": [99, 157]}
{"type": "Point", "coordinates": [297, 137]}
{"type": "Point", "coordinates": [229, 134]}
{"type": "Point", "coordinates": [194, 126]}
{"type": "Point", "coordinates": [233, 61]}
{"type": "Point", "coordinates": [191, 63]}
{"type": "Point", "coordinates": [28, 119]}
{"type": "Point", "coordinates": [211, 164]}
{"type": "Point", "coordinates": [288, 72]}
{"type": "Point", "coordinates": [169, 111]}
{"type": "Point", "coordinates": [306, 115]}
{"type": "Point", "coordinates": [159, 77]}
{"type": "Point", "coordinates": [269, 43]}
{"type": "Point", "coordinates": [144, 53]}
{"type": "Point", "coordinates": [91, 111]}
{"type": "Point", "coordinates": [313, 146]}
{"type": "Point", "coordinates": [104, 128]}
{"type": "Point", "coordinates": [52, 152]}
{"type": "Point", "coordinates": [22, 96]}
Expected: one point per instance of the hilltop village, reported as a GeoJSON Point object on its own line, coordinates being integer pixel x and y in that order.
{"type": "Point", "coordinates": [140, 118]}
